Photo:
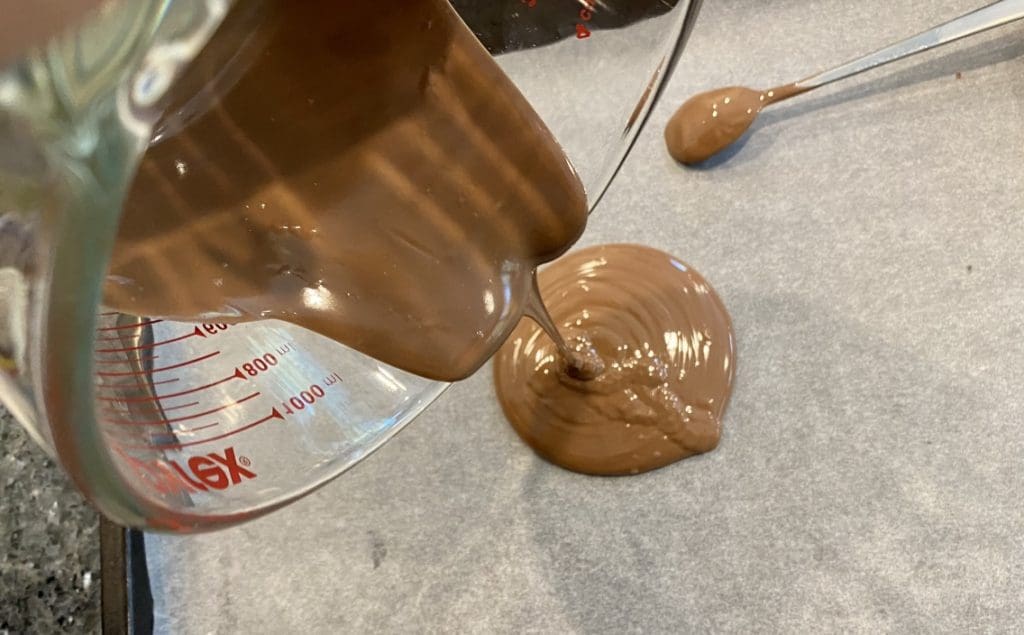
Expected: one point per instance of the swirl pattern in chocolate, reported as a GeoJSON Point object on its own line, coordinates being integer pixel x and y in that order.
{"type": "Point", "coordinates": [668, 349]}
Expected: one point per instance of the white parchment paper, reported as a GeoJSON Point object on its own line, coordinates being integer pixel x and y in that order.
{"type": "Point", "coordinates": [867, 239]}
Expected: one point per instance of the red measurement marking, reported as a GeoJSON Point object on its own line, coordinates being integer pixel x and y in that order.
{"type": "Point", "coordinates": [115, 411]}
{"type": "Point", "coordinates": [301, 400]}
{"type": "Point", "coordinates": [236, 375]}
{"type": "Point", "coordinates": [274, 414]}
{"type": "Point", "coordinates": [197, 429]}
{"type": "Point", "coordinates": [189, 417]}
{"type": "Point", "coordinates": [195, 333]}
{"type": "Point", "coordinates": [129, 326]}
{"type": "Point", "coordinates": [259, 364]}
{"type": "Point", "coordinates": [144, 358]}
{"type": "Point", "coordinates": [181, 407]}
{"type": "Point", "coordinates": [586, 13]}
{"type": "Point", "coordinates": [214, 328]}
{"type": "Point", "coordinates": [140, 386]}
{"type": "Point", "coordinates": [157, 370]}
{"type": "Point", "coordinates": [162, 381]}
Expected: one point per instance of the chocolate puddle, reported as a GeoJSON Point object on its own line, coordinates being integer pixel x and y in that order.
{"type": "Point", "coordinates": [709, 122]}
{"type": "Point", "coordinates": [667, 346]}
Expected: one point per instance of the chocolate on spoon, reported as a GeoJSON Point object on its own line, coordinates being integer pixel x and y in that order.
{"type": "Point", "coordinates": [709, 122]}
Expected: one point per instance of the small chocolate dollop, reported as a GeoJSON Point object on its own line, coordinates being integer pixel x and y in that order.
{"type": "Point", "coordinates": [709, 122]}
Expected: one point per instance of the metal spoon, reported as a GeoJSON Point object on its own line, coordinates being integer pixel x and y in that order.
{"type": "Point", "coordinates": [709, 122]}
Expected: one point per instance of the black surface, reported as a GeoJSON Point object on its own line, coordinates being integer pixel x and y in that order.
{"type": "Point", "coordinates": [509, 25]}
{"type": "Point", "coordinates": [114, 572]}
{"type": "Point", "coordinates": [127, 600]}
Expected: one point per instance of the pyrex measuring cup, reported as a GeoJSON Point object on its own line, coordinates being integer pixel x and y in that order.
{"type": "Point", "coordinates": [189, 425]}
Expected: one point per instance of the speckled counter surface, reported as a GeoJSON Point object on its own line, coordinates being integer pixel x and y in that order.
{"type": "Point", "coordinates": [49, 543]}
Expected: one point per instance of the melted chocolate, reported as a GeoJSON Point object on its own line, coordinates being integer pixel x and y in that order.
{"type": "Point", "coordinates": [366, 171]}
{"type": "Point", "coordinates": [370, 174]}
{"type": "Point", "coordinates": [668, 354]}
{"type": "Point", "coordinates": [709, 122]}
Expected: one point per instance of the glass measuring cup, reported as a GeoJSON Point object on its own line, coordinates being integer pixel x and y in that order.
{"type": "Point", "coordinates": [183, 425]}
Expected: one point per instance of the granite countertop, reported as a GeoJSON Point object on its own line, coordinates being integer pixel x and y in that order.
{"type": "Point", "coordinates": [49, 543]}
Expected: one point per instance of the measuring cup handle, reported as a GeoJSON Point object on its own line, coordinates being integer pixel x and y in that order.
{"type": "Point", "coordinates": [75, 116]}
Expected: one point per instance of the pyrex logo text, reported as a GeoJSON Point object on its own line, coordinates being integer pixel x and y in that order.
{"type": "Point", "coordinates": [213, 471]}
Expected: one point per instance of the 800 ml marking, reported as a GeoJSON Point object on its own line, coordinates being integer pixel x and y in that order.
{"type": "Point", "coordinates": [259, 364]}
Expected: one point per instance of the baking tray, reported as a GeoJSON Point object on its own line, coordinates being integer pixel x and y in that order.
{"type": "Point", "coordinates": [867, 241]}
{"type": "Point", "coordinates": [126, 603]}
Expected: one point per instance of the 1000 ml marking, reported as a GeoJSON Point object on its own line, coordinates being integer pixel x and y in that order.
{"type": "Point", "coordinates": [309, 396]}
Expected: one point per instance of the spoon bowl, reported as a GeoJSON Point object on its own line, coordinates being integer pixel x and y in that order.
{"type": "Point", "coordinates": [711, 121]}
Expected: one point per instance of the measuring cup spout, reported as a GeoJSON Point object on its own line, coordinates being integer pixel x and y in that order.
{"type": "Point", "coordinates": [215, 252]}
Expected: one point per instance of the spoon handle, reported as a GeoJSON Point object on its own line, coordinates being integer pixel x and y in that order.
{"type": "Point", "coordinates": [995, 14]}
